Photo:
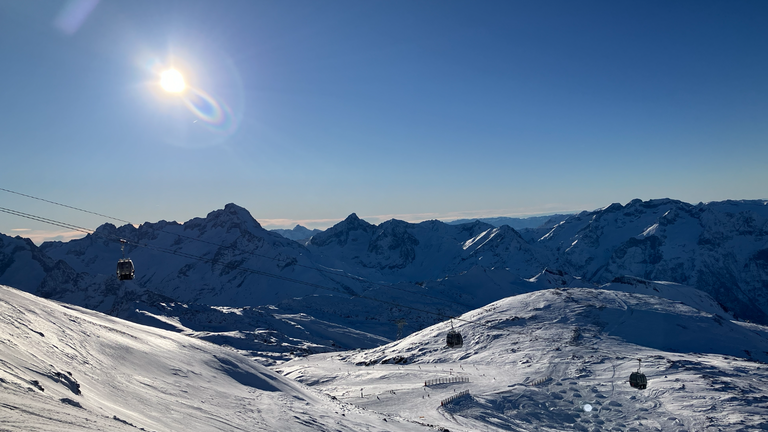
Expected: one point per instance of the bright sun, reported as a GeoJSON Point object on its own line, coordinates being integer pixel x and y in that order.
{"type": "Point", "coordinates": [172, 81]}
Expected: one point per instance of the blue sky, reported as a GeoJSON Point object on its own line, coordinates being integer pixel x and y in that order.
{"type": "Point", "coordinates": [407, 109]}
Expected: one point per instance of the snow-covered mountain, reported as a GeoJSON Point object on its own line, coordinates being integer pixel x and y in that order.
{"type": "Point", "coordinates": [179, 277]}
{"type": "Point", "coordinates": [720, 248]}
{"type": "Point", "coordinates": [398, 251]}
{"type": "Point", "coordinates": [560, 360]}
{"type": "Point", "coordinates": [298, 233]}
{"type": "Point", "coordinates": [226, 258]}
{"type": "Point", "coordinates": [24, 265]}
{"type": "Point", "coordinates": [360, 277]}
{"type": "Point", "coordinates": [64, 368]}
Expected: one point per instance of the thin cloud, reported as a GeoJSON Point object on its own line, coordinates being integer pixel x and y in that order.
{"type": "Point", "coordinates": [290, 223]}
{"type": "Point", "coordinates": [473, 214]}
{"type": "Point", "coordinates": [40, 236]}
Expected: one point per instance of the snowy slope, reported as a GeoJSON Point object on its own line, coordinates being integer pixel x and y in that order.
{"type": "Point", "coordinates": [398, 251]}
{"type": "Point", "coordinates": [560, 359]}
{"type": "Point", "coordinates": [66, 368]}
{"type": "Point", "coordinates": [22, 263]}
{"type": "Point", "coordinates": [720, 248]}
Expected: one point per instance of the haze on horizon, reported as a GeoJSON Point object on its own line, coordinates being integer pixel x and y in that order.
{"type": "Point", "coordinates": [305, 112]}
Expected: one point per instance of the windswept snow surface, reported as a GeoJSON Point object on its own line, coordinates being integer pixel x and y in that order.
{"type": "Point", "coordinates": [560, 359]}
{"type": "Point", "coordinates": [64, 368]}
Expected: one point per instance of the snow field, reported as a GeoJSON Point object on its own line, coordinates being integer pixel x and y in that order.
{"type": "Point", "coordinates": [535, 361]}
{"type": "Point", "coordinates": [64, 368]}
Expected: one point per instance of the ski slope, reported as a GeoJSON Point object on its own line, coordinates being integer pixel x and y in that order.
{"type": "Point", "coordinates": [63, 368]}
{"type": "Point", "coordinates": [560, 359]}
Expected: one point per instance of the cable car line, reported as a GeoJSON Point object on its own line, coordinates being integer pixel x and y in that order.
{"type": "Point", "coordinates": [44, 220]}
{"type": "Point", "coordinates": [64, 205]}
{"type": "Point", "coordinates": [332, 273]}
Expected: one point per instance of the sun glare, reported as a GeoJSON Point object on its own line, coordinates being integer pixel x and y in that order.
{"type": "Point", "coordinates": [172, 81]}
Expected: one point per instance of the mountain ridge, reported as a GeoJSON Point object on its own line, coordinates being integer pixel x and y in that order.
{"type": "Point", "coordinates": [228, 259]}
{"type": "Point", "coordinates": [518, 223]}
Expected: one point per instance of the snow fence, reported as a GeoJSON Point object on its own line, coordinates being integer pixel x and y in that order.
{"type": "Point", "coordinates": [450, 380]}
{"type": "Point", "coordinates": [454, 397]}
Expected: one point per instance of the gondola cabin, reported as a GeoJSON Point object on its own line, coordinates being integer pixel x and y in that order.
{"type": "Point", "coordinates": [125, 269]}
{"type": "Point", "coordinates": [638, 380]}
{"type": "Point", "coordinates": [454, 340]}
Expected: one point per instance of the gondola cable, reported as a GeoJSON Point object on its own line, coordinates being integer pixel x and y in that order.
{"type": "Point", "coordinates": [63, 205]}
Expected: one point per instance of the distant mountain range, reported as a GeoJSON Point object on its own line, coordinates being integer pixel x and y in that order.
{"type": "Point", "coordinates": [518, 223]}
{"type": "Point", "coordinates": [302, 234]}
{"type": "Point", "coordinates": [297, 233]}
{"type": "Point", "coordinates": [361, 276]}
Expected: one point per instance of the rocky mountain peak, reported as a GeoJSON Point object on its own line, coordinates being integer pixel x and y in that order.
{"type": "Point", "coordinates": [232, 216]}
{"type": "Point", "coordinates": [612, 208]}
{"type": "Point", "coordinates": [106, 229]}
{"type": "Point", "coordinates": [340, 232]}
{"type": "Point", "coordinates": [233, 211]}
{"type": "Point", "coordinates": [353, 223]}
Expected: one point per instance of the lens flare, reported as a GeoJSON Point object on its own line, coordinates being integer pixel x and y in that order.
{"type": "Point", "coordinates": [73, 15]}
{"type": "Point", "coordinates": [172, 81]}
{"type": "Point", "coordinates": [216, 114]}
{"type": "Point", "coordinates": [213, 98]}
